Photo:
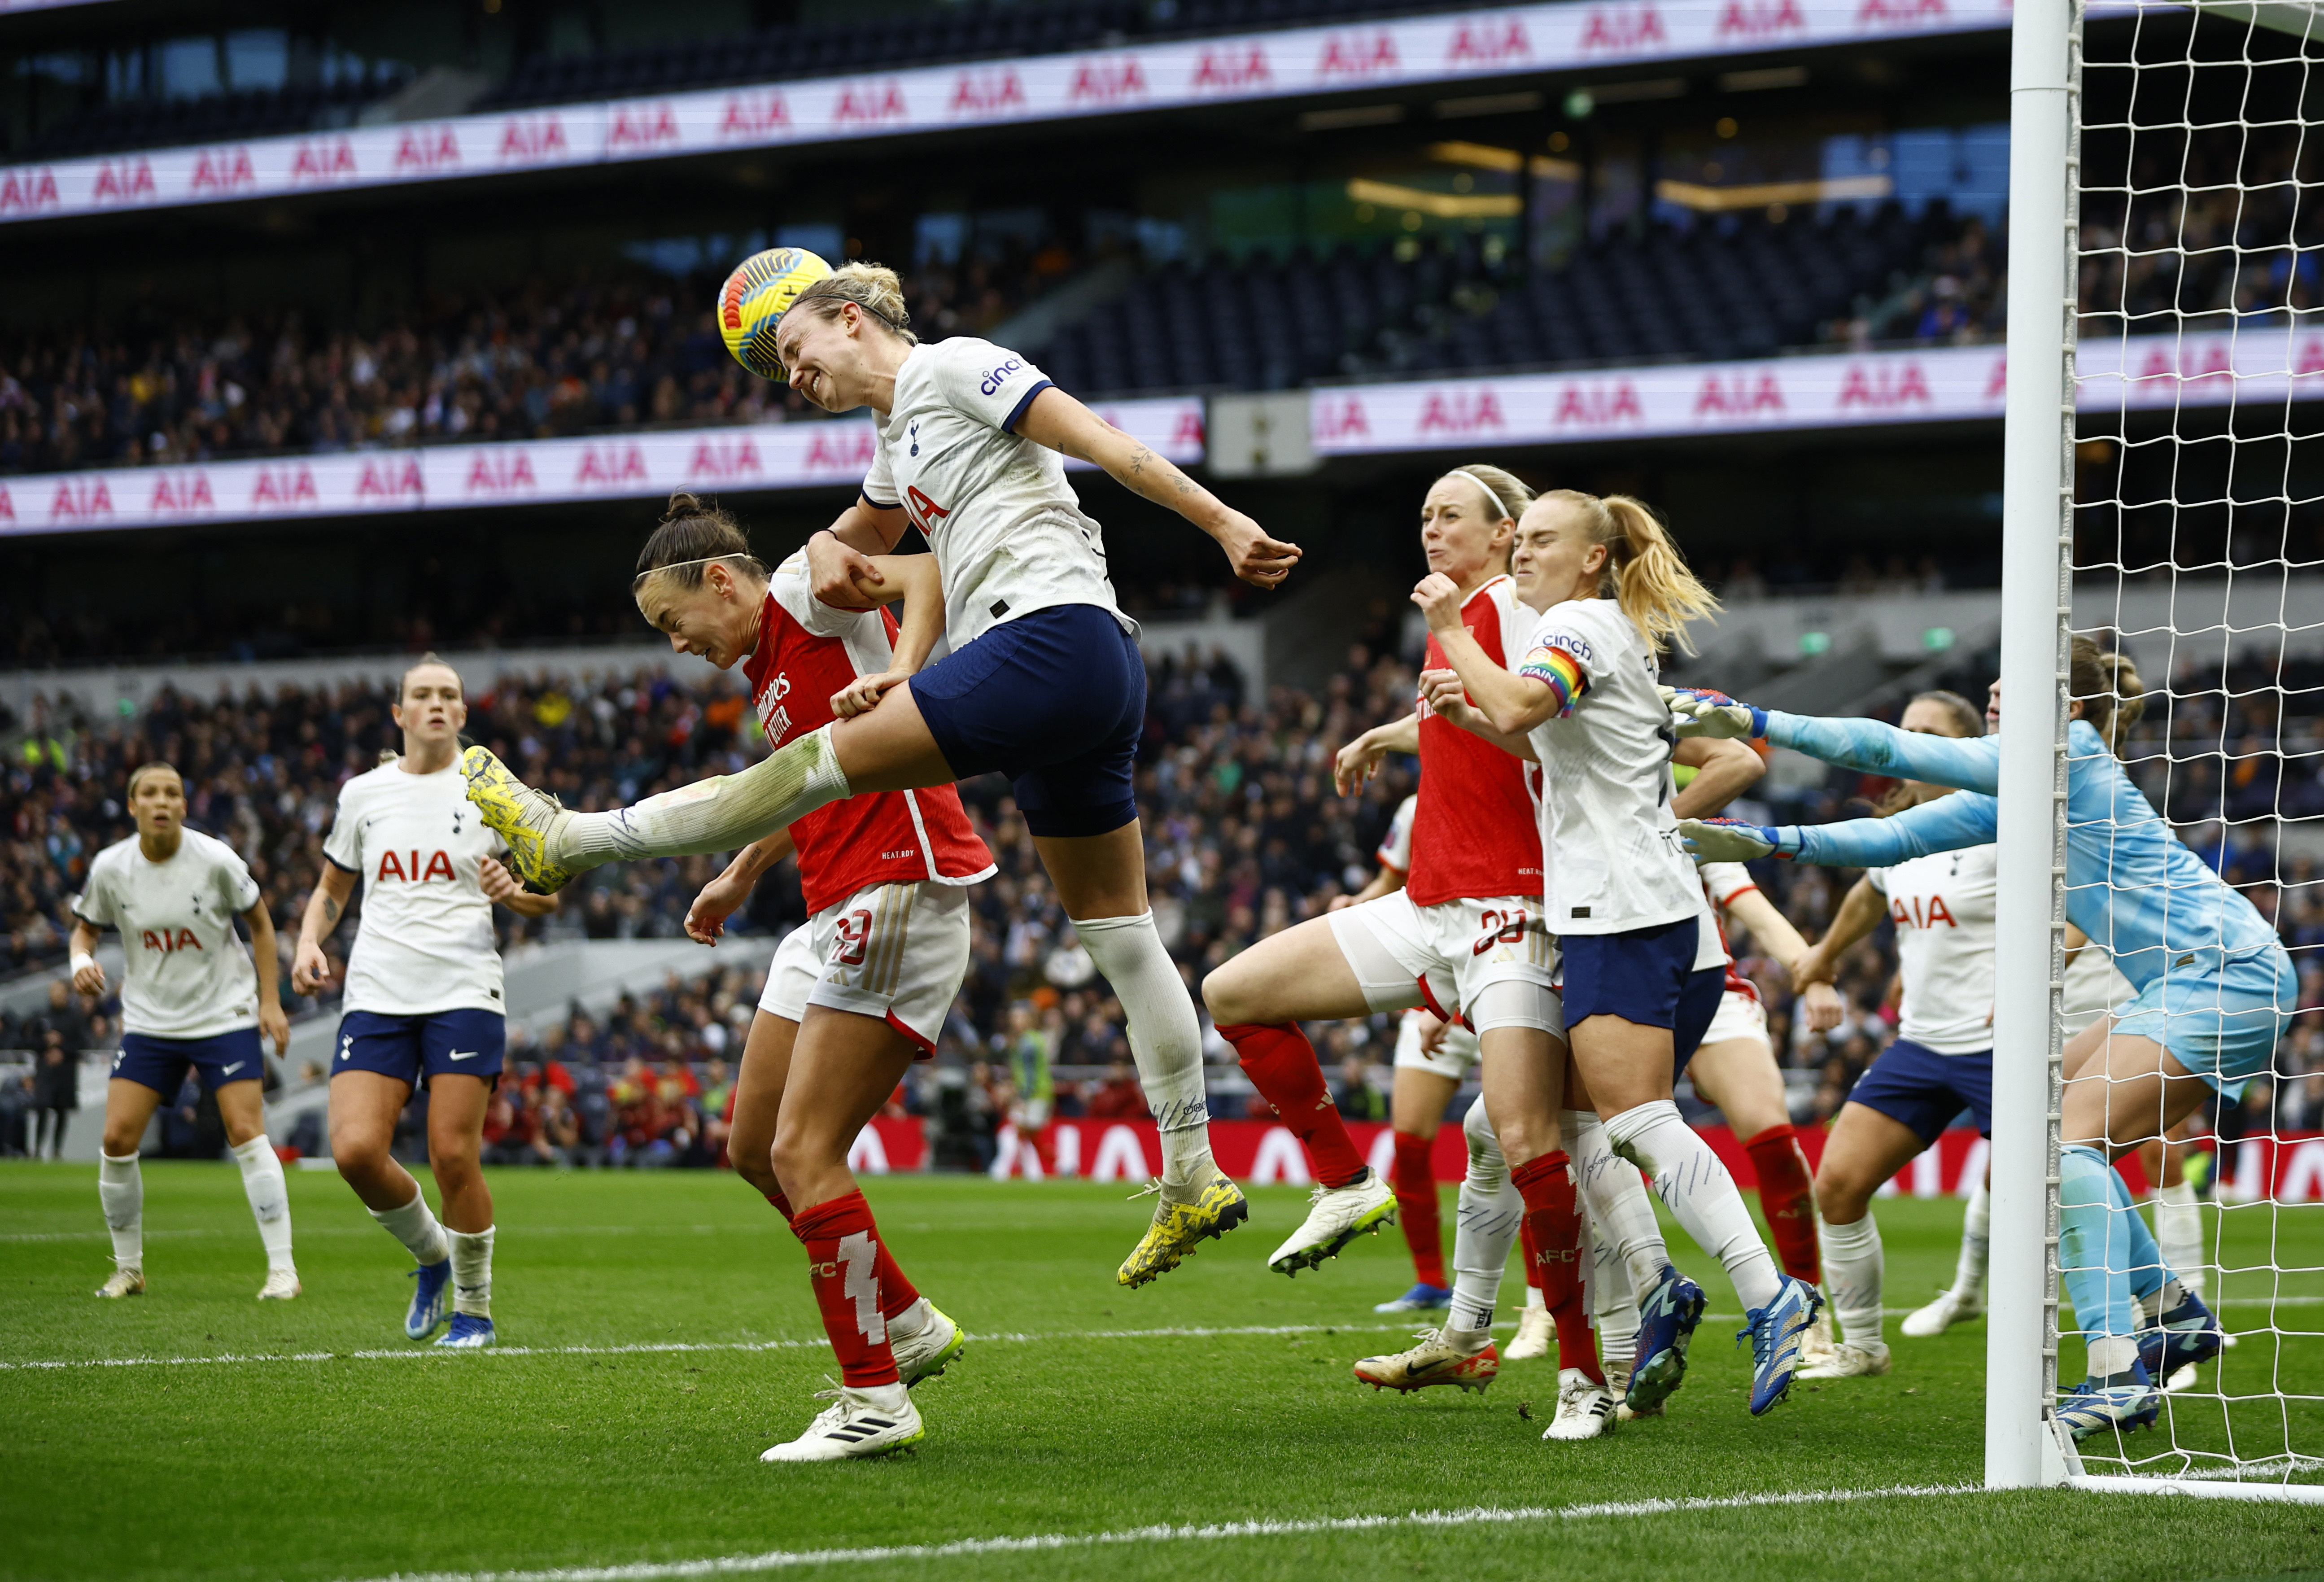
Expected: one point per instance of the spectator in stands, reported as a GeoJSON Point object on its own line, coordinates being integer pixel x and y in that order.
{"type": "Point", "coordinates": [1358, 1098]}
{"type": "Point", "coordinates": [56, 1092]}
{"type": "Point", "coordinates": [1119, 1098]}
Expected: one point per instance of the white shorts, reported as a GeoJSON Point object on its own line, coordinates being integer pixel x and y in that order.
{"type": "Point", "coordinates": [1445, 956]}
{"type": "Point", "coordinates": [1739, 1015]}
{"type": "Point", "coordinates": [1453, 1056]}
{"type": "Point", "coordinates": [897, 952]}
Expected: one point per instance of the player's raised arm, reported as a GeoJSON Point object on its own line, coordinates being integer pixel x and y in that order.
{"type": "Point", "coordinates": [843, 559]}
{"type": "Point", "coordinates": [915, 581]}
{"type": "Point", "coordinates": [1065, 425]}
{"type": "Point", "coordinates": [1511, 703]}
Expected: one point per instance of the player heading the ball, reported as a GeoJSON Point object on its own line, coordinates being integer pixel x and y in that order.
{"type": "Point", "coordinates": [1044, 683]}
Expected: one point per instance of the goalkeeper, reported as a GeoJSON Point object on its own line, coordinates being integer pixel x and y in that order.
{"type": "Point", "coordinates": [2215, 987]}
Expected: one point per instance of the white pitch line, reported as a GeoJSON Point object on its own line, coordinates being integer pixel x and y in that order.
{"type": "Point", "coordinates": [1476, 1516]}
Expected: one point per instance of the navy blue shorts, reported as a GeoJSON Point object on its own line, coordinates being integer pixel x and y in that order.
{"type": "Point", "coordinates": [413, 1048]}
{"type": "Point", "coordinates": [1646, 976]}
{"type": "Point", "coordinates": [1056, 700]}
{"type": "Point", "coordinates": [1915, 1087]}
{"type": "Point", "coordinates": [159, 1063]}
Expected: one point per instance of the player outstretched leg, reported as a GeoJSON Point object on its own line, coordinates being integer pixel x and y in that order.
{"type": "Point", "coordinates": [1647, 1340]}
{"type": "Point", "coordinates": [1460, 1352]}
{"type": "Point", "coordinates": [1350, 1198]}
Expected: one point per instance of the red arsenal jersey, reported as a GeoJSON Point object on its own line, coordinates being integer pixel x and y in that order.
{"type": "Point", "coordinates": [1477, 831]}
{"type": "Point", "coordinates": [807, 651]}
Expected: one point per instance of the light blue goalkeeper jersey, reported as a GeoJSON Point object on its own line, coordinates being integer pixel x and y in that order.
{"type": "Point", "coordinates": [2131, 886]}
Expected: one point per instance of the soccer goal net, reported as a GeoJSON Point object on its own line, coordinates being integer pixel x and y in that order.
{"type": "Point", "coordinates": [2188, 513]}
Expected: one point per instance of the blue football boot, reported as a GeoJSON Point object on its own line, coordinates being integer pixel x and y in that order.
{"type": "Point", "coordinates": [1420, 1299]}
{"type": "Point", "coordinates": [1667, 1322]}
{"type": "Point", "coordinates": [2121, 1402]}
{"type": "Point", "coordinates": [434, 1285]}
{"type": "Point", "coordinates": [2182, 1338]}
{"type": "Point", "coordinates": [1778, 1335]}
{"type": "Point", "coordinates": [467, 1333]}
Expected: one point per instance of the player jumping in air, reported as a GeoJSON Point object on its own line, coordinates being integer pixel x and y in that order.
{"type": "Point", "coordinates": [1044, 682]}
{"type": "Point", "coordinates": [1644, 964]}
{"type": "Point", "coordinates": [423, 1001]}
{"type": "Point", "coordinates": [188, 997]}
{"type": "Point", "coordinates": [861, 992]}
{"type": "Point", "coordinates": [2215, 986]}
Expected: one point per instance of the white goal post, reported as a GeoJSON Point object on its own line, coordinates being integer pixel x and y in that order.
{"type": "Point", "coordinates": [2230, 372]}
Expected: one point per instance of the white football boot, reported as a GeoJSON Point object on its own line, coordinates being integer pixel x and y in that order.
{"type": "Point", "coordinates": [1617, 1380]}
{"type": "Point", "coordinates": [1816, 1346]}
{"type": "Point", "coordinates": [878, 1420]}
{"type": "Point", "coordinates": [1850, 1360]}
{"type": "Point", "coordinates": [927, 1353]}
{"type": "Point", "coordinates": [125, 1282]}
{"type": "Point", "coordinates": [1336, 1215]}
{"type": "Point", "coordinates": [281, 1285]}
{"type": "Point", "coordinates": [1950, 1308]}
{"type": "Point", "coordinates": [1435, 1360]}
{"type": "Point", "coordinates": [1536, 1336]}
{"type": "Point", "coordinates": [1585, 1408]}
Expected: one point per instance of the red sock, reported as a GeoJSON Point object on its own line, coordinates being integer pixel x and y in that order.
{"type": "Point", "coordinates": [1532, 1254]}
{"type": "Point", "coordinates": [1281, 1064]}
{"type": "Point", "coordinates": [896, 1292]}
{"type": "Point", "coordinates": [843, 1263]}
{"type": "Point", "coordinates": [1417, 1207]}
{"type": "Point", "coordinates": [1787, 1194]}
{"type": "Point", "coordinates": [1553, 1216]}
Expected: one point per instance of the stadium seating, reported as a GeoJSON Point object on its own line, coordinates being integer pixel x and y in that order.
{"type": "Point", "coordinates": [130, 123]}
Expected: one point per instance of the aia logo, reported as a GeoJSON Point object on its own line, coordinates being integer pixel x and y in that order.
{"type": "Point", "coordinates": [392, 866]}
{"type": "Point", "coordinates": [28, 191]}
{"type": "Point", "coordinates": [527, 138]}
{"type": "Point", "coordinates": [2207, 362]}
{"type": "Point", "coordinates": [167, 943]}
{"type": "Point", "coordinates": [1996, 388]}
{"type": "Point", "coordinates": [1342, 420]}
{"type": "Point", "coordinates": [1597, 406]}
{"type": "Point", "coordinates": [638, 129]}
{"type": "Point", "coordinates": [1358, 54]}
{"type": "Point", "coordinates": [1462, 412]}
{"type": "Point", "coordinates": [1884, 388]}
{"type": "Point", "coordinates": [1107, 82]}
{"type": "Point", "coordinates": [1934, 914]}
{"type": "Point", "coordinates": [848, 450]}
{"type": "Point", "coordinates": [427, 151]}
{"type": "Point", "coordinates": [390, 480]}
{"type": "Point", "coordinates": [124, 181]}
{"type": "Point", "coordinates": [725, 458]}
{"type": "Point", "coordinates": [1612, 32]}
{"type": "Point", "coordinates": [181, 492]}
{"type": "Point", "coordinates": [755, 115]}
{"type": "Point", "coordinates": [79, 500]}
{"type": "Point", "coordinates": [224, 170]}
{"type": "Point", "coordinates": [1491, 44]}
{"type": "Point", "coordinates": [987, 93]}
{"type": "Point", "coordinates": [611, 467]}
{"type": "Point", "coordinates": [1738, 396]}
{"type": "Point", "coordinates": [1229, 70]}
{"type": "Point", "coordinates": [1899, 12]}
{"type": "Point", "coordinates": [1760, 19]}
{"type": "Point", "coordinates": [495, 474]}
{"type": "Point", "coordinates": [925, 512]}
{"type": "Point", "coordinates": [7, 507]}
{"type": "Point", "coordinates": [1186, 439]}
{"type": "Point", "coordinates": [329, 159]}
{"type": "Point", "coordinates": [284, 488]}
{"type": "Point", "coordinates": [869, 104]}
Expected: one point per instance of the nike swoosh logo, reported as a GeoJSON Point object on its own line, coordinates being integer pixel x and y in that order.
{"type": "Point", "coordinates": [230, 1071]}
{"type": "Point", "coordinates": [462, 1054]}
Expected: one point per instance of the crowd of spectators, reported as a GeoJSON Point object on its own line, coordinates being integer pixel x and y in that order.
{"type": "Point", "coordinates": [1245, 836]}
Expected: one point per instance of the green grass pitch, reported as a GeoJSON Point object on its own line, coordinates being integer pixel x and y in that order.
{"type": "Point", "coordinates": [1057, 1422]}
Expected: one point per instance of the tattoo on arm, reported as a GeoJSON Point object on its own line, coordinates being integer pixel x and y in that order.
{"type": "Point", "coordinates": [1139, 459]}
{"type": "Point", "coordinates": [330, 910]}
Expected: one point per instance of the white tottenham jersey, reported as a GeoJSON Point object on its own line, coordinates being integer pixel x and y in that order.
{"type": "Point", "coordinates": [1008, 532]}
{"type": "Point", "coordinates": [1942, 907]}
{"type": "Point", "coordinates": [187, 974]}
{"type": "Point", "coordinates": [1396, 846]}
{"type": "Point", "coordinates": [1612, 861]}
{"type": "Point", "coordinates": [426, 941]}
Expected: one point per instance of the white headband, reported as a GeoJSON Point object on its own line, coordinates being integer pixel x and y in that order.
{"type": "Point", "coordinates": [705, 560]}
{"type": "Point", "coordinates": [1496, 499]}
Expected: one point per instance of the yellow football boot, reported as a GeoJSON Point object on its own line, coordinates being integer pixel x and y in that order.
{"type": "Point", "coordinates": [519, 815]}
{"type": "Point", "coordinates": [1217, 1209]}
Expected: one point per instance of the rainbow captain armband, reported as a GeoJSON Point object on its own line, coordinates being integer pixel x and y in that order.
{"type": "Point", "coordinates": [1702, 712]}
{"type": "Point", "coordinates": [1561, 672]}
{"type": "Point", "coordinates": [1730, 840]}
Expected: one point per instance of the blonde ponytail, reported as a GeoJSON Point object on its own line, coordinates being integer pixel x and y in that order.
{"type": "Point", "coordinates": [875, 288]}
{"type": "Point", "coordinates": [1645, 572]}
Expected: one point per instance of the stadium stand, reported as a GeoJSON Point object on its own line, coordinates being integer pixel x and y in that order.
{"type": "Point", "coordinates": [116, 125]}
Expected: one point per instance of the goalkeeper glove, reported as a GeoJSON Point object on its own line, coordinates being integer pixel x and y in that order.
{"type": "Point", "coordinates": [1701, 712]}
{"type": "Point", "coordinates": [1730, 840]}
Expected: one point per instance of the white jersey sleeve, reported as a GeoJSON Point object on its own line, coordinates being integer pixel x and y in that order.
{"type": "Point", "coordinates": [880, 482]}
{"type": "Point", "coordinates": [1943, 905]}
{"type": "Point", "coordinates": [789, 587]}
{"type": "Point", "coordinates": [425, 941]}
{"type": "Point", "coordinates": [1396, 846]}
{"type": "Point", "coordinates": [187, 974]}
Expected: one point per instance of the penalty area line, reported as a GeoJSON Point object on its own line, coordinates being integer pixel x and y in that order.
{"type": "Point", "coordinates": [1475, 1517]}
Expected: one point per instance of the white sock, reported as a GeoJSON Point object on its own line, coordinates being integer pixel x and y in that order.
{"type": "Point", "coordinates": [1699, 1194]}
{"type": "Point", "coordinates": [416, 1228]}
{"type": "Point", "coordinates": [270, 1197]}
{"type": "Point", "coordinates": [121, 1190]}
{"type": "Point", "coordinates": [1852, 1269]}
{"type": "Point", "coordinates": [1613, 1303]}
{"type": "Point", "coordinates": [1484, 1228]}
{"type": "Point", "coordinates": [1533, 1303]}
{"type": "Point", "coordinates": [1969, 1279]}
{"type": "Point", "coordinates": [1620, 1213]}
{"type": "Point", "coordinates": [472, 1271]}
{"type": "Point", "coordinates": [909, 1322]}
{"type": "Point", "coordinates": [1165, 1038]}
{"type": "Point", "coordinates": [717, 814]}
{"type": "Point", "coordinates": [2112, 1353]}
{"type": "Point", "coordinates": [2179, 1231]}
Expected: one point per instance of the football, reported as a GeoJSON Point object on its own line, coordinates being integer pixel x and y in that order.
{"type": "Point", "coordinates": [754, 299]}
